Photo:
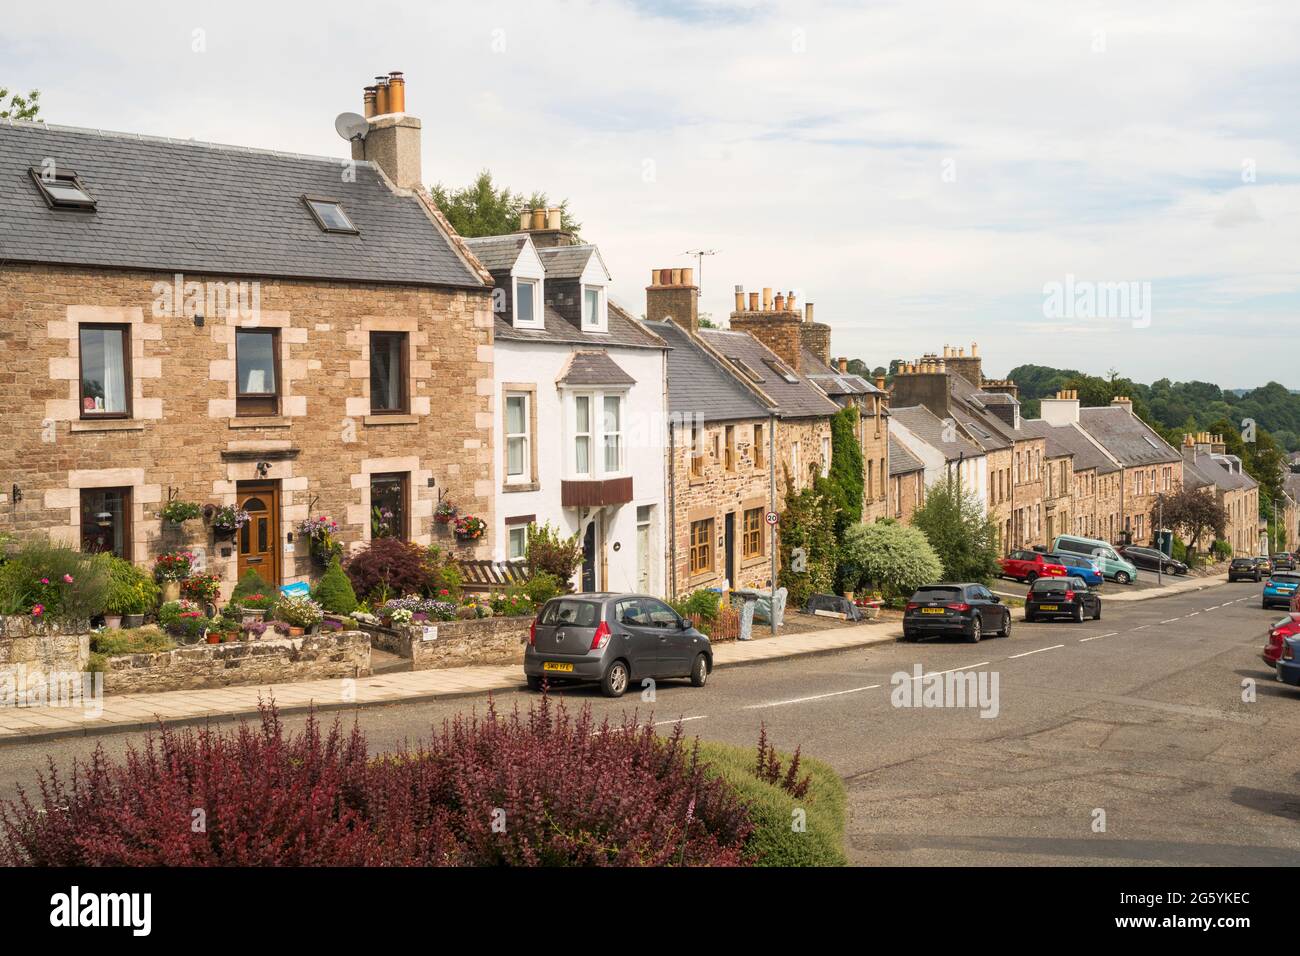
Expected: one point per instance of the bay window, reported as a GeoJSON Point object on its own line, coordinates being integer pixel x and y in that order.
{"type": "Point", "coordinates": [598, 430]}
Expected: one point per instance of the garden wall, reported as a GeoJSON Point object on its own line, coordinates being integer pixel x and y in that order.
{"type": "Point", "coordinates": [33, 652]}
{"type": "Point", "coordinates": [490, 640]}
{"type": "Point", "coordinates": [268, 661]}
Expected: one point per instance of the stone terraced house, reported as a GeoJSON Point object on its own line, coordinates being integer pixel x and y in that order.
{"type": "Point", "coordinates": [1093, 502]}
{"type": "Point", "coordinates": [281, 334]}
{"type": "Point", "coordinates": [579, 391]}
{"type": "Point", "coordinates": [871, 401]}
{"type": "Point", "coordinates": [1208, 466]}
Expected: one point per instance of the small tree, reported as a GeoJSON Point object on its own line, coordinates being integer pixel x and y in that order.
{"type": "Point", "coordinates": [809, 546]}
{"type": "Point", "coordinates": [548, 550]}
{"type": "Point", "coordinates": [963, 536]}
{"type": "Point", "coordinates": [1191, 514]}
{"type": "Point", "coordinates": [896, 558]}
{"type": "Point", "coordinates": [334, 591]}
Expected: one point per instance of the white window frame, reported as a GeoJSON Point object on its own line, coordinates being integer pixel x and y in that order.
{"type": "Point", "coordinates": [605, 435]}
{"type": "Point", "coordinates": [589, 435]}
{"type": "Point", "coordinates": [601, 322]}
{"type": "Point", "coordinates": [525, 436]}
{"type": "Point", "coordinates": [538, 320]}
{"type": "Point", "coordinates": [511, 532]}
{"type": "Point", "coordinates": [595, 433]}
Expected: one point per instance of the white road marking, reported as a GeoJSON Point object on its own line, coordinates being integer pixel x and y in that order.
{"type": "Point", "coordinates": [1194, 613]}
{"type": "Point", "coordinates": [951, 669]}
{"type": "Point", "coordinates": [1171, 620]}
{"type": "Point", "coordinates": [800, 700]}
{"type": "Point", "coordinates": [1039, 651]}
{"type": "Point", "coordinates": [1085, 640]}
{"type": "Point", "coordinates": [1142, 628]}
{"type": "Point", "coordinates": [679, 720]}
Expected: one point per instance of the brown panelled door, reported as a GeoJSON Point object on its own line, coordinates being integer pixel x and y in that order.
{"type": "Point", "coordinates": [259, 539]}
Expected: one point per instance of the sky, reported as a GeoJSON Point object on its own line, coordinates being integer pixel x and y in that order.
{"type": "Point", "coordinates": [1085, 185]}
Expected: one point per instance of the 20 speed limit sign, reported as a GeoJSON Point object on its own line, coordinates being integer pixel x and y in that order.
{"type": "Point", "coordinates": [773, 518]}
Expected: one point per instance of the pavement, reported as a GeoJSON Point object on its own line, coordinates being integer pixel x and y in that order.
{"type": "Point", "coordinates": [1155, 736]}
{"type": "Point", "coordinates": [134, 712]}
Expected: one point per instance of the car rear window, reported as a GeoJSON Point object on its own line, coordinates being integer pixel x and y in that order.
{"type": "Point", "coordinates": [1051, 584]}
{"type": "Point", "coordinates": [936, 594]}
{"type": "Point", "coordinates": [572, 612]}
{"type": "Point", "coordinates": [1242, 562]}
{"type": "Point", "coordinates": [1286, 578]}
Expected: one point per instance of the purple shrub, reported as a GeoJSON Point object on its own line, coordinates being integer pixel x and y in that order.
{"type": "Point", "coordinates": [540, 789]}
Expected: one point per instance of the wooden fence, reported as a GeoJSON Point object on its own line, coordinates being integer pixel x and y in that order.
{"type": "Point", "coordinates": [726, 627]}
{"type": "Point", "coordinates": [491, 575]}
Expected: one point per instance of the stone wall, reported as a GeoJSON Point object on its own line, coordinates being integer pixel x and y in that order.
{"type": "Point", "coordinates": [31, 652]}
{"type": "Point", "coordinates": [184, 436]}
{"type": "Point", "coordinates": [272, 661]}
{"type": "Point", "coordinates": [809, 433]}
{"type": "Point", "coordinates": [874, 434]}
{"type": "Point", "coordinates": [491, 640]}
{"type": "Point", "coordinates": [906, 494]}
{"type": "Point", "coordinates": [714, 493]}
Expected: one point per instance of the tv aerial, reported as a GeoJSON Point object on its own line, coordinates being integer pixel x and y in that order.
{"type": "Point", "coordinates": [699, 255]}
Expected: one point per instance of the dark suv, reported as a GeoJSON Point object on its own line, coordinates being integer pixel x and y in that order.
{"type": "Point", "coordinates": [1153, 560]}
{"type": "Point", "coordinates": [970, 610]}
{"type": "Point", "coordinates": [1245, 569]}
{"type": "Point", "coordinates": [614, 639]}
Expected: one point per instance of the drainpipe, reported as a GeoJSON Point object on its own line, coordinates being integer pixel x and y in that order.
{"type": "Point", "coordinates": [771, 475]}
{"type": "Point", "coordinates": [672, 508]}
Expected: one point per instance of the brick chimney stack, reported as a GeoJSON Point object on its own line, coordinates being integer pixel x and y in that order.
{"type": "Point", "coordinates": [546, 228]}
{"type": "Point", "coordinates": [1122, 401]}
{"type": "Point", "coordinates": [392, 140]}
{"type": "Point", "coordinates": [673, 294]}
{"type": "Point", "coordinates": [781, 330]}
{"type": "Point", "coordinates": [969, 367]}
{"type": "Point", "coordinates": [923, 382]}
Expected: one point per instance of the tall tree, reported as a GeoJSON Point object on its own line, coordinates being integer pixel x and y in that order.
{"type": "Point", "coordinates": [484, 209]}
{"type": "Point", "coordinates": [963, 536]}
{"type": "Point", "coordinates": [19, 107]}
{"type": "Point", "coordinates": [1190, 514]}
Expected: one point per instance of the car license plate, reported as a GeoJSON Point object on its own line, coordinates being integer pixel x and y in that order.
{"type": "Point", "coordinates": [556, 666]}
{"type": "Point", "coordinates": [1049, 607]}
{"type": "Point", "coordinates": [932, 610]}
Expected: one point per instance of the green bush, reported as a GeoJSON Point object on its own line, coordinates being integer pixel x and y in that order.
{"type": "Point", "coordinates": [1222, 550]}
{"type": "Point", "coordinates": [541, 587]}
{"type": "Point", "coordinates": [249, 584]}
{"type": "Point", "coordinates": [703, 602]}
{"type": "Point", "coordinates": [548, 550]}
{"type": "Point", "coordinates": [65, 585]}
{"type": "Point", "coordinates": [334, 591]}
{"type": "Point", "coordinates": [808, 524]}
{"type": "Point", "coordinates": [962, 535]}
{"type": "Point", "coordinates": [895, 558]}
{"type": "Point", "coordinates": [183, 617]}
{"type": "Point", "coordinates": [136, 640]}
{"type": "Point", "coordinates": [131, 589]}
{"type": "Point", "coordinates": [774, 841]}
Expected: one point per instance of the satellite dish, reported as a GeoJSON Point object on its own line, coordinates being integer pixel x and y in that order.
{"type": "Point", "coordinates": [351, 126]}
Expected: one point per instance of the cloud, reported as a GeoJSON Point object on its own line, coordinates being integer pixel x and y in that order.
{"type": "Point", "coordinates": [1238, 210]}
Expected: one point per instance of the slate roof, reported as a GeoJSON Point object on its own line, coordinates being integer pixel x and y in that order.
{"type": "Point", "coordinates": [593, 368]}
{"type": "Point", "coordinates": [1070, 440]}
{"type": "Point", "coordinates": [832, 381]}
{"type": "Point", "coordinates": [567, 262]}
{"type": "Point", "coordinates": [183, 206]}
{"type": "Point", "coordinates": [901, 460]}
{"type": "Point", "coordinates": [497, 253]}
{"type": "Point", "coordinates": [699, 385]}
{"type": "Point", "coordinates": [1217, 471]}
{"type": "Point", "coordinates": [1126, 437]}
{"type": "Point", "coordinates": [1193, 477]}
{"type": "Point", "coordinates": [798, 399]}
{"type": "Point", "coordinates": [624, 331]}
{"type": "Point", "coordinates": [929, 428]}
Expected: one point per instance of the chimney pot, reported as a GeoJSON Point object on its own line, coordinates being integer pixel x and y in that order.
{"type": "Point", "coordinates": [554, 218]}
{"type": "Point", "coordinates": [780, 302]}
{"type": "Point", "coordinates": [808, 312]}
{"type": "Point", "coordinates": [537, 220]}
{"type": "Point", "coordinates": [767, 299]}
{"type": "Point", "coordinates": [368, 98]}
{"type": "Point", "coordinates": [880, 382]}
{"type": "Point", "coordinates": [844, 365]}
{"type": "Point", "coordinates": [753, 302]}
{"type": "Point", "coordinates": [740, 298]}
{"type": "Point", "coordinates": [974, 350]}
{"type": "Point", "coordinates": [675, 276]}
{"type": "Point", "coordinates": [688, 277]}
{"type": "Point", "coordinates": [381, 95]}
{"type": "Point", "coordinates": [396, 92]}
{"type": "Point", "coordinates": [790, 301]}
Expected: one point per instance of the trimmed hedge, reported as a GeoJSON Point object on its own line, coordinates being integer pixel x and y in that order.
{"type": "Point", "coordinates": [773, 841]}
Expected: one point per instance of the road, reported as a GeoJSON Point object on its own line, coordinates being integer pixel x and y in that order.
{"type": "Point", "coordinates": [1139, 716]}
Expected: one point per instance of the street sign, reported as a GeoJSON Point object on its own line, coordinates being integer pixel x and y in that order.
{"type": "Point", "coordinates": [773, 518]}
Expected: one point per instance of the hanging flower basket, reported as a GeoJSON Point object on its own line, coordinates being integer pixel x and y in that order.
{"type": "Point", "coordinates": [321, 533]}
{"type": "Point", "coordinates": [226, 520]}
{"type": "Point", "coordinates": [178, 512]}
{"type": "Point", "coordinates": [470, 528]}
{"type": "Point", "coordinates": [445, 513]}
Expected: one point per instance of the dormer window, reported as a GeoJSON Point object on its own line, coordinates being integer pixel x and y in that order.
{"type": "Point", "coordinates": [329, 215]}
{"type": "Point", "coordinates": [593, 308]}
{"type": "Point", "coordinates": [528, 303]}
{"type": "Point", "coordinates": [62, 189]}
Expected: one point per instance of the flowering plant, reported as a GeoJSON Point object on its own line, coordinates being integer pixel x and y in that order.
{"type": "Point", "coordinates": [445, 512]}
{"type": "Point", "coordinates": [433, 610]}
{"type": "Point", "coordinates": [227, 517]}
{"type": "Point", "coordinates": [470, 527]}
{"type": "Point", "coordinates": [178, 511]}
{"type": "Point", "coordinates": [201, 587]}
{"type": "Point", "coordinates": [257, 602]}
{"type": "Point", "coordinates": [173, 566]}
{"type": "Point", "coordinates": [322, 533]}
{"type": "Point", "coordinates": [400, 616]}
{"type": "Point", "coordinates": [298, 610]}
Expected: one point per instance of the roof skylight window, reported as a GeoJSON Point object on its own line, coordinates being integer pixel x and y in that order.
{"type": "Point", "coordinates": [329, 215]}
{"type": "Point", "coordinates": [62, 189]}
{"type": "Point", "coordinates": [745, 369]}
{"type": "Point", "coordinates": [780, 368]}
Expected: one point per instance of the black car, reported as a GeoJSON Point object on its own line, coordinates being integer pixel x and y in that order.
{"type": "Point", "coordinates": [1153, 560]}
{"type": "Point", "coordinates": [1283, 562]}
{"type": "Point", "coordinates": [1062, 597]}
{"type": "Point", "coordinates": [1245, 569]}
{"type": "Point", "coordinates": [971, 610]}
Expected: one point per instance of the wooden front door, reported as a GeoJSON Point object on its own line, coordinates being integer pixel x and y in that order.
{"type": "Point", "coordinates": [259, 539]}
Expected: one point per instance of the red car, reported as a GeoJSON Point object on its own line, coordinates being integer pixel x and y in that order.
{"type": "Point", "coordinates": [1029, 566]}
{"type": "Point", "coordinates": [1277, 635]}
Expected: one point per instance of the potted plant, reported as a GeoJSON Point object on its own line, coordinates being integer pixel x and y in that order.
{"type": "Point", "coordinates": [322, 536]}
{"type": "Point", "coordinates": [170, 569]}
{"type": "Point", "coordinates": [445, 512]}
{"type": "Point", "coordinates": [470, 528]}
{"type": "Point", "coordinates": [130, 594]}
{"type": "Point", "coordinates": [299, 612]}
{"type": "Point", "coordinates": [226, 520]}
{"type": "Point", "coordinates": [202, 588]}
{"type": "Point", "coordinates": [177, 512]}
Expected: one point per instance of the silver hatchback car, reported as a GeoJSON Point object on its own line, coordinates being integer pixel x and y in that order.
{"type": "Point", "coordinates": [614, 639]}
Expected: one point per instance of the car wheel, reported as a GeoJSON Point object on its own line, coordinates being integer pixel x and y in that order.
{"type": "Point", "coordinates": [1031, 577]}
{"type": "Point", "coordinates": [1264, 605]}
{"type": "Point", "coordinates": [1029, 617]}
{"type": "Point", "coordinates": [534, 682]}
{"type": "Point", "coordinates": [614, 683]}
{"type": "Point", "coordinates": [976, 631]}
{"type": "Point", "coordinates": [1121, 577]}
{"type": "Point", "coordinates": [1097, 616]}
{"type": "Point", "coordinates": [699, 671]}
{"type": "Point", "coordinates": [1006, 626]}
{"type": "Point", "coordinates": [1078, 614]}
